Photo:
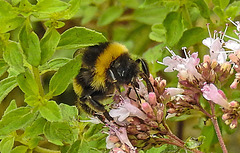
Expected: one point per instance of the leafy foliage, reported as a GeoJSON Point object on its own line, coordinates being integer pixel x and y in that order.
{"type": "Point", "coordinates": [38, 38]}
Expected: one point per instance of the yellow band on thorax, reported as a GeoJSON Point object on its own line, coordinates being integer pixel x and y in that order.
{"type": "Point", "coordinates": [111, 53]}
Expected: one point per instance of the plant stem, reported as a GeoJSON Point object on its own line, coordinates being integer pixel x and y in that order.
{"type": "Point", "coordinates": [217, 129]}
{"type": "Point", "coordinates": [38, 80]}
{"type": "Point", "coordinates": [174, 140]}
{"type": "Point", "coordinates": [178, 142]}
{"type": "Point", "coordinates": [45, 150]}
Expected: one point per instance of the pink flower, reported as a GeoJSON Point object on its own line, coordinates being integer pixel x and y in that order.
{"type": "Point", "coordinates": [109, 143]}
{"type": "Point", "coordinates": [121, 133]}
{"type": "Point", "coordinates": [233, 45]}
{"type": "Point", "coordinates": [210, 92]}
{"type": "Point", "coordinates": [215, 45]}
{"type": "Point", "coordinates": [117, 150]}
{"type": "Point", "coordinates": [174, 91]}
{"type": "Point", "coordinates": [127, 109]}
{"type": "Point", "coordinates": [93, 120]}
{"type": "Point", "coordinates": [178, 63]}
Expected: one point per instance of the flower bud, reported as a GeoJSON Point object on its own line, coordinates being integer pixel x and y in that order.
{"type": "Point", "coordinates": [117, 150]}
{"type": "Point", "coordinates": [233, 58]}
{"type": "Point", "coordinates": [113, 138]}
{"type": "Point", "coordinates": [234, 84]}
{"type": "Point", "coordinates": [205, 65]}
{"type": "Point", "coordinates": [227, 122]}
{"type": "Point", "coordinates": [160, 115]}
{"type": "Point", "coordinates": [214, 63]}
{"type": "Point", "coordinates": [171, 110]}
{"type": "Point", "coordinates": [132, 129]}
{"type": "Point", "coordinates": [142, 127]}
{"type": "Point", "coordinates": [142, 136]}
{"type": "Point", "coordinates": [225, 116]}
{"type": "Point", "coordinates": [147, 109]}
{"type": "Point", "coordinates": [226, 66]}
{"type": "Point", "coordinates": [234, 123]}
{"type": "Point", "coordinates": [153, 124]}
{"type": "Point", "coordinates": [233, 104]}
{"type": "Point", "coordinates": [206, 59]}
{"type": "Point", "coordinates": [152, 98]}
{"type": "Point", "coordinates": [133, 120]}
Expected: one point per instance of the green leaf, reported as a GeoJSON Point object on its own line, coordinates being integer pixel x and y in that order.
{"type": "Point", "coordinates": [155, 150]}
{"type": "Point", "coordinates": [16, 119]}
{"type": "Point", "coordinates": [78, 37]}
{"type": "Point", "coordinates": [60, 80]}
{"type": "Point", "coordinates": [49, 44]}
{"type": "Point", "coordinates": [25, 8]}
{"type": "Point", "coordinates": [174, 27]}
{"type": "Point", "coordinates": [192, 36]}
{"type": "Point", "coordinates": [36, 128]}
{"type": "Point", "coordinates": [219, 12]}
{"type": "Point", "coordinates": [193, 143]}
{"type": "Point", "coordinates": [69, 113]}
{"type": "Point", "coordinates": [54, 24]}
{"type": "Point", "coordinates": [209, 133]}
{"type": "Point", "coordinates": [60, 132]}
{"type": "Point", "coordinates": [53, 65]}
{"type": "Point", "coordinates": [30, 44]}
{"type": "Point", "coordinates": [233, 9]}
{"type": "Point", "coordinates": [6, 144]}
{"type": "Point", "coordinates": [202, 6]}
{"type": "Point", "coordinates": [27, 83]}
{"type": "Point", "coordinates": [158, 33]}
{"type": "Point", "coordinates": [221, 3]}
{"type": "Point", "coordinates": [3, 67]}
{"type": "Point", "coordinates": [15, 2]}
{"type": "Point", "coordinates": [93, 129]}
{"type": "Point", "coordinates": [50, 111]}
{"type": "Point", "coordinates": [7, 85]}
{"type": "Point", "coordinates": [109, 15]}
{"type": "Point", "coordinates": [45, 8]}
{"type": "Point", "coordinates": [20, 149]}
{"type": "Point", "coordinates": [151, 3]}
{"type": "Point", "coordinates": [154, 54]}
{"type": "Point", "coordinates": [75, 147]}
{"type": "Point", "coordinates": [13, 57]}
{"type": "Point", "coordinates": [9, 17]}
{"type": "Point", "coordinates": [32, 100]}
{"type": "Point", "coordinates": [33, 142]}
{"type": "Point", "coordinates": [4, 39]}
{"type": "Point", "coordinates": [73, 9]}
{"type": "Point", "coordinates": [150, 16]}
{"type": "Point", "coordinates": [11, 106]}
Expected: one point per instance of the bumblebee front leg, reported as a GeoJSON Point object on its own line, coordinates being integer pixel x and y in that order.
{"type": "Point", "coordinates": [145, 75]}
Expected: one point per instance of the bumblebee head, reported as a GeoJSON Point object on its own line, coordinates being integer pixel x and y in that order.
{"type": "Point", "coordinates": [123, 70]}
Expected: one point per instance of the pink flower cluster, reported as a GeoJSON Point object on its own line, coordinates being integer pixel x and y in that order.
{"type": "Point", "coordinates": [198, 79]}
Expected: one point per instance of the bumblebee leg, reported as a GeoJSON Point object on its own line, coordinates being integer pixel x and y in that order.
{"type": "Point", "coordinates": [96, 105]}
{"type": "Point", "coordinates": [114, 81]}
{"type": "Point", "coordinates": [145, 75]}
{"type": "Point", "coordinates": [83, 106]}
{"type": "Point", "coordinates": [144, 66]}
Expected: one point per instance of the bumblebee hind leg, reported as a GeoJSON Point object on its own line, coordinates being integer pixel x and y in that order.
{"type": "Point", "coordinates": [92, 107]}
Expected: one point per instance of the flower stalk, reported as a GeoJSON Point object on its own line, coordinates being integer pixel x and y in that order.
{"type": "Point", "coordinates": [217, 129]}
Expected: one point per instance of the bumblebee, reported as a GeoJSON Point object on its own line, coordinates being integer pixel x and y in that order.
{"type": "Point", "coordinates": [105, 67]}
